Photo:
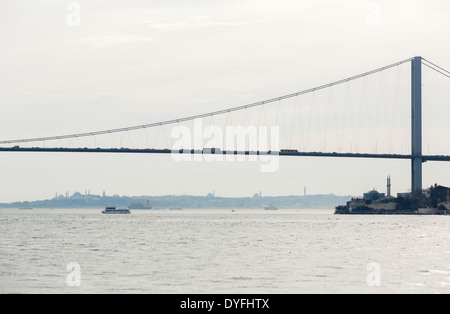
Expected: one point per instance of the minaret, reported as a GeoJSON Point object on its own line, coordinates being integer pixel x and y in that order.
{"type": "Point", "coordinates": [389, 186]}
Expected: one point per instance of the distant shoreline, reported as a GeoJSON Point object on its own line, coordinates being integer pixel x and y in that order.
{"type": "Point", "coordinates": [79, 201]}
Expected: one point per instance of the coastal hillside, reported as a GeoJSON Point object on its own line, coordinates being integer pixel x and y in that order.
{"type": "Point", "coordinates": [210, 201]}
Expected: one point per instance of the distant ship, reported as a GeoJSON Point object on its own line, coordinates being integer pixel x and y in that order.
{"type": "Point", "coordinates": [141, 205]}
{"type": "Point", "coordinates": [113, 210]}
{"type": "Point", "coordinates": [271, 208]}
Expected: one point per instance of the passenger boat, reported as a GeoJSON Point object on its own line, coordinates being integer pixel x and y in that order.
{"type": "Point", "coordinates": [113, 210]}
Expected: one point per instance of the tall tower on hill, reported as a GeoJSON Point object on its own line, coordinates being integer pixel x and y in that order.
{"type": "Point", "coordinates": [389, 186]}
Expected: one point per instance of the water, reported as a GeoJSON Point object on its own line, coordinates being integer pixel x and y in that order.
{"type": "Point", "coordinates": [219, 251]}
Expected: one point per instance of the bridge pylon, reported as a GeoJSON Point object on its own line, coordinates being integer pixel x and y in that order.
{"type": "Point", "coordinates": [416, 125]}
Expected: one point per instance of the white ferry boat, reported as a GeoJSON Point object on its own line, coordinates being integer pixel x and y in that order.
{"type": "Point", "coordinates": [113, 210]}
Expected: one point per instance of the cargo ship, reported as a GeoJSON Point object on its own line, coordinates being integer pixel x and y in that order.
{"type": "Point", "coordinates": [141, 205]}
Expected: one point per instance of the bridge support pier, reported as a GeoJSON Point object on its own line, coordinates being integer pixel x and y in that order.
{"type": "Point", "coordinates": [416, 126]}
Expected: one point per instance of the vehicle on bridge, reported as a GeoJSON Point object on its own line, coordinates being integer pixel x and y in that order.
{"type": "Point", "coordinates": [212, 150]}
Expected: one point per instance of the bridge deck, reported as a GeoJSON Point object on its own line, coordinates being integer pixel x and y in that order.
{"type": "Point", "coordinates": [207, 151]}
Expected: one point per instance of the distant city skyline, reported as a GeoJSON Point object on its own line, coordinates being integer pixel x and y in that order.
{"type": "Point", "coordinates": [209, 201]}
{"type": "Point", "coordinates": [68, 193]}
{"type": "Point", "coordinates": [104, 194]}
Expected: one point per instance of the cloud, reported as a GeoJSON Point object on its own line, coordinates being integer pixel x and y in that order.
{"type": "Point", "coordinates": [46, 95]}
{"type": "Point", "coordinates": [104, 41]}
{"type": "Point", "coordinates": [192, 23]}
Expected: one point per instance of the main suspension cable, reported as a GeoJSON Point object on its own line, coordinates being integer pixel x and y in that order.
{"type": "Point", "coordinates": [190, 118]}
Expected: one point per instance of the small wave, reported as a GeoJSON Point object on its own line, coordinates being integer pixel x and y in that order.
{"type": "Point", "coordinates": [240, 278]}
{"type": "Point", "coordinates": [440, 272]}
{"type": "Point", "coordinates": [416, 284]}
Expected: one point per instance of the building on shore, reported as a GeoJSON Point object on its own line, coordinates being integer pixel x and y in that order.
{"type": "Point", "coordinates": [373, 195]}
{"type": "Point", "coordinates": [445, 206]}
{"type": "Point", "coordinates": [376, 203]}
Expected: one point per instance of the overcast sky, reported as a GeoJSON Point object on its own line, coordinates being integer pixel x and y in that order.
{"type": "Point", "coordinates": [124, 63]}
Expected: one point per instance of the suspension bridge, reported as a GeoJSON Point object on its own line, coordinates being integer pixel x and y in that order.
{"type": "Point", "coordinates": [363, 120]}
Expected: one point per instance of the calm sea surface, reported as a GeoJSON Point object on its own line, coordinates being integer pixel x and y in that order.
{"type": "Point", "coordinates": [220, 251]}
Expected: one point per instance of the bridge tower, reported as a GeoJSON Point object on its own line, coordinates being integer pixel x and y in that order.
{"type": "Point", "coordinates": [416, 126]}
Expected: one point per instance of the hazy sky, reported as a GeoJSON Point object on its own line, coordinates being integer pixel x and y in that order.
{"type": "Point", "coordinates": [127, 63]}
